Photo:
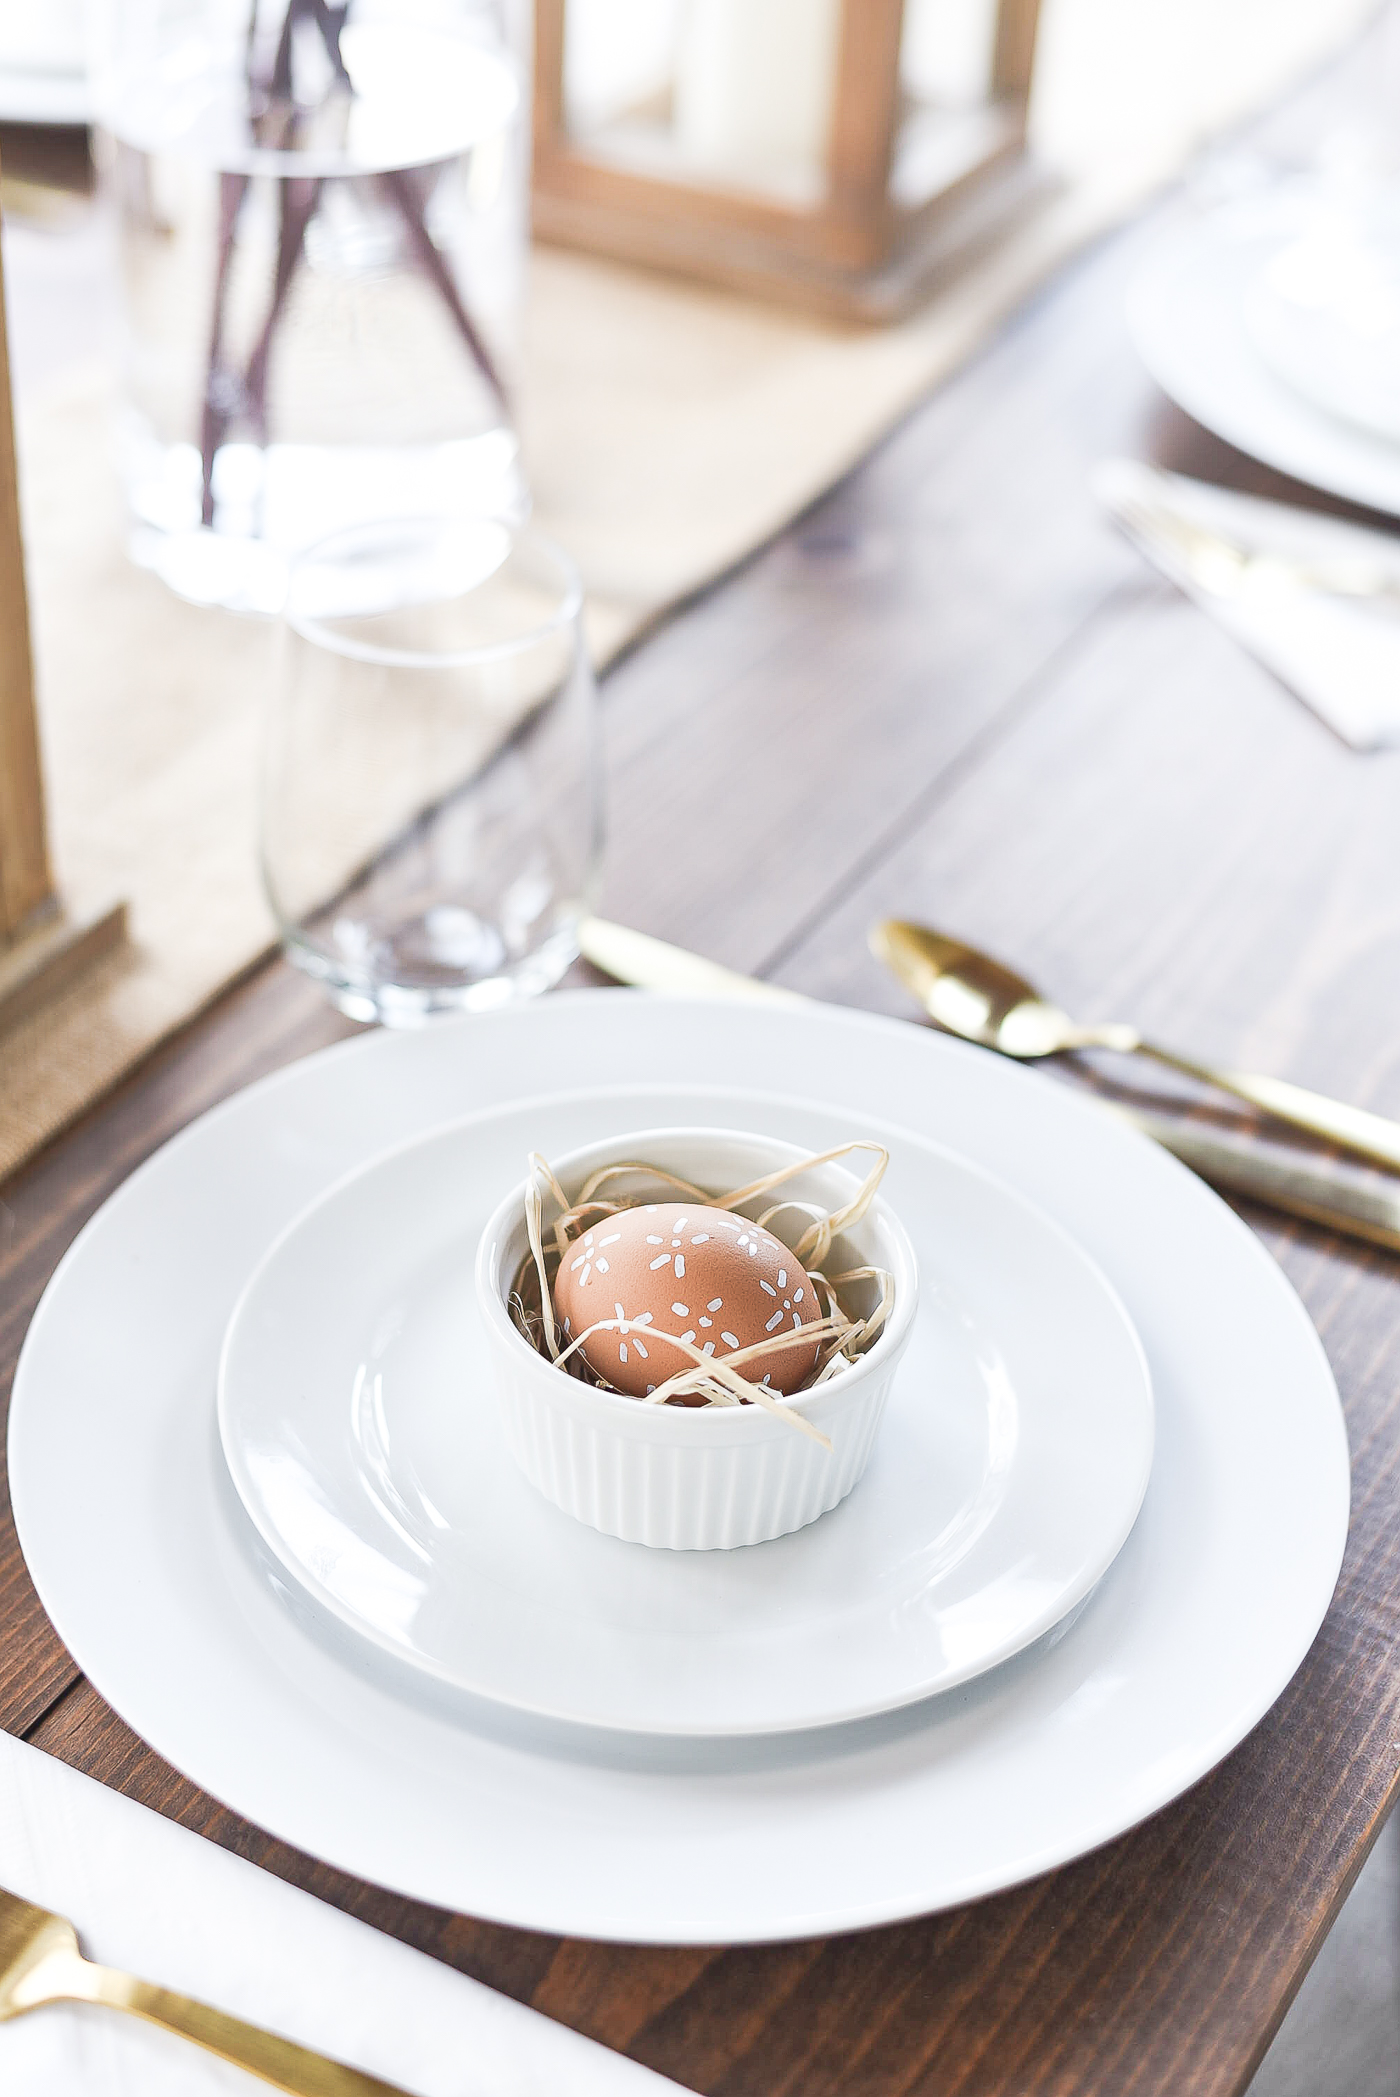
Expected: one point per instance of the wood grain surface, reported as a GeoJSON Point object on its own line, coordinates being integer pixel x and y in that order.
{"type": "Point", "coordinates": [952, 691]}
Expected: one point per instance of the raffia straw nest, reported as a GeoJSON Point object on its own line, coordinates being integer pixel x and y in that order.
{"type": "Point", "coordinates": [857, 1301]}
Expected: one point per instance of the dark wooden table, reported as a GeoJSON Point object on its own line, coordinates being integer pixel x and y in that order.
{"type": "Point", "coordinates": [958, 695]}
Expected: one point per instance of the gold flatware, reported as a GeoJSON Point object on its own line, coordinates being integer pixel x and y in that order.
{"type": "Point", "coordinates": [1313, 1192]}
{"type": "Point", "coordinates": [968, 993]}
{"type": "Point", "coordinates": [1295, 1187]}
{"type": "Point", "coordinates": [1224, 567]}
{"type": "Point", "coordinates": [40, 1963]}
{"type": "Point", "coordinates": [1142, 499]}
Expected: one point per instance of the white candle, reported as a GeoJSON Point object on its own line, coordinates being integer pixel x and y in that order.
{"type": "Point", "coordinates": [755, 81]}
{"type": "Point", "coordinates": [49, 38]}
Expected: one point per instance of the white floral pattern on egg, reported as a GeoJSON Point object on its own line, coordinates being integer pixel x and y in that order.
{"type": "Point", "coordinates": [678, 1269]}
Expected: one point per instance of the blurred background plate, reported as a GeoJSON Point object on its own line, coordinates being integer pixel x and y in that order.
{"type": "Point", "coordinates": [1190, 312]}
{"type": "Point", "coordinates": [1325, 309]}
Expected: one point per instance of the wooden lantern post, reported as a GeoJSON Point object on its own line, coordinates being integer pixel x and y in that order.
{"type": "Point", "coordinates": [907, 189]}
{"type": "Point", "coordinates": [42, 947]}
{"type": "Point", "coordinates": [26, 885]}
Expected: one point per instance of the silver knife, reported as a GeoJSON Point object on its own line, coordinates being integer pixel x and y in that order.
{"type": "Point", "coordinates": [1298, 1189]}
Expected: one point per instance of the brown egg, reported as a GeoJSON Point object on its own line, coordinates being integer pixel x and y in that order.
{"type": "Point", "coordinates": [698, 1273]}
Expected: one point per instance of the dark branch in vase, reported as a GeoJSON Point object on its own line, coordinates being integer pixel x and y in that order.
{"type": "Point", "coordinates": [297, 203]}
{"type": "Point", "coordinates": [276, 119]}
{"type": "Point", "coordinates": [222, 390]}
{"type": "Point", "coordinates": [398, 187]}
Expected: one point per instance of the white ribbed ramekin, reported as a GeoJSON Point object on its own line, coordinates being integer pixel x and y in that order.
{"type": "Point", "coordinates": [689, 1478]}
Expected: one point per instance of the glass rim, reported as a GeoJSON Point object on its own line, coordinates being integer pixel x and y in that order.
{"type": "Point", "coordinates": [319, 634]}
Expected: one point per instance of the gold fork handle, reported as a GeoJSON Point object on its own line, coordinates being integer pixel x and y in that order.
{"type": "Point", "coordinates": [284, 2064]}
{"type": "Point", "coordinates": [1369, 1136]}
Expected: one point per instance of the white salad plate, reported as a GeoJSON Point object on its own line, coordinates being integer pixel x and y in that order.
{"type": "Point", "coordinates": [363, 1435]}
{"type": "Point", "coordinates": [1199, 311]}
{"type": "Point", "coordinates": [140, 1548]}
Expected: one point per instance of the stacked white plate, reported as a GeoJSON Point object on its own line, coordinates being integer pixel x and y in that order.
{"type": "Point", "coordinates": [1275, 322]}
{"type": "Point", "coordinates": [1101, 1525]}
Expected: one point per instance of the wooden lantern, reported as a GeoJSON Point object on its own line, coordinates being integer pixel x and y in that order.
{"type": "Point", "coordinates": [906, 187]}
{"type": "Point", "coordinates": [42, 946]}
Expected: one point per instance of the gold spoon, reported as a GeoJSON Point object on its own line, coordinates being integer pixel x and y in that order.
{"type": "Point", "coordinates": [40, 1962]}
{"type": "Point", "coordinates": [968, 993]}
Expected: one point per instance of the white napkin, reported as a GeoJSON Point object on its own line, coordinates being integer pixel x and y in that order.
{"type": "Point", "coordinates": [1341, 655]}
{"type": "Point", "coordinates": [156, 1900]}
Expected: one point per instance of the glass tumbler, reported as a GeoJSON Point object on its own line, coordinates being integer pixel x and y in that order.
{"type": "Point", "coordinates": [431, 797]}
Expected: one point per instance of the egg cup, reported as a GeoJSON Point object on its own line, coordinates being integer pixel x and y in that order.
{"type": "Point", "coordinates": [704, 1478]}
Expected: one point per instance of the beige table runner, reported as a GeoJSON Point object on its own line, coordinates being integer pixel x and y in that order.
{"type": "Point", "coordinates": [669, 430]}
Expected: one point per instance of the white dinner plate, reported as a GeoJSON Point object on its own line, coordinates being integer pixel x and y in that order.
{"type": "Point", "coordinates": [137, 1542]}
{"type": "Point", "coordinates": [1325, 310]}
{"type": "Point", "coordinates": [1194, 312]}
{"type": "Point", "coordinates": [363, 1438]}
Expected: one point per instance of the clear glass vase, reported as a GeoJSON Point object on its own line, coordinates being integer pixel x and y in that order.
{"type": "Point", "coordinates": [322, 217]}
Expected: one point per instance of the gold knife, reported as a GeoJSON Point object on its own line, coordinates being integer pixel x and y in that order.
{"type": "Point", "coordinates": [650, 964]}
{"type": "Point", "coordinates": [1298, 1189]}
